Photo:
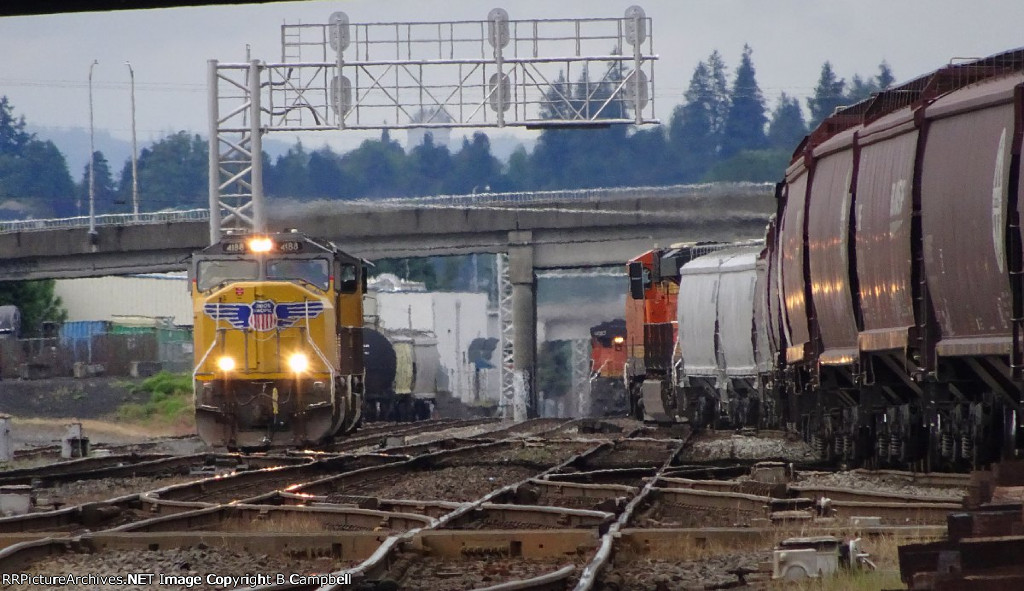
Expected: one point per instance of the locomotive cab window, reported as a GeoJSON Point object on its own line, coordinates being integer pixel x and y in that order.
{"type": "Point", "coordinates": [639, 280]}
{"type": "Point", "coordinates": [348, 279]}
{"type": "Point", "coordinates": [210, 274]}
{"type": "Point", "coordinates": [312, 271]}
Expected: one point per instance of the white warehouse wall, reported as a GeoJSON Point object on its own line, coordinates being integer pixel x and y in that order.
{"type": "Point", "coordinates": [103, 298]}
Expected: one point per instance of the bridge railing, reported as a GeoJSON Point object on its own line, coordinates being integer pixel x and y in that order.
{"type": "Point", "coordinates": [114, 219]}
{"type": "Point", "coordinates": [508, 199]}
{"type": "Point", "coordinates": [511, 199]}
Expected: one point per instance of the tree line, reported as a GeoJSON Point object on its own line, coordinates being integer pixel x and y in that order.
{"type": "Point", "coordinates": [723, 131]}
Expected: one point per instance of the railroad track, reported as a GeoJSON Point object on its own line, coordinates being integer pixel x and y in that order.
{"type": "Point", "coordinates": [377, 436]}
{"type": "Point", "coordinates": [536, 512]}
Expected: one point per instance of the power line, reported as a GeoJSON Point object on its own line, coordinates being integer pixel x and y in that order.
{"type": "Point", "coordinates": [146, 86]}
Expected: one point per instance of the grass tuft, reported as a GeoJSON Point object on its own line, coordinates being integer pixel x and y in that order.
{"type": "Point", "coordinates": [169, 404]}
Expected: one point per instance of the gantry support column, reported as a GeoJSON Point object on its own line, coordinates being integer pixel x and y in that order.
{"type": "Point", "coordinates": [524, 325]}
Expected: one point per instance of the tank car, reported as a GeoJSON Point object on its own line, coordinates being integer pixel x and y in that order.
{"type": "Point", "coordinates": [10, 322]}
{"type": "Point", "coordinates": [278, 341]}
{"type": "Point", "coordinates": [403, 374]}
{"type": "Point", "coordinates": [897, 266]}
{"type": "Point", "coordinates": [607, 367]}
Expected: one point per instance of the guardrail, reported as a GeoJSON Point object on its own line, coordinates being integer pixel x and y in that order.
{"type": "Point", "coordinates": [568, 195]}
{"type": "Point", "coordinates": [509, 199]}
{"type": "Point", "coordinates": [115, 219]}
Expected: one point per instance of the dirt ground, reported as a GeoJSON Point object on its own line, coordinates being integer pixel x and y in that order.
{"type": "Point", "coordinates": [41, 410]}
{"type": "Point", "coordinates": [33, 432]}
{"type": "Point", "coordinates": [91, 398]}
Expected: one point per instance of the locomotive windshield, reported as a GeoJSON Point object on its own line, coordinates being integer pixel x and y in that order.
{"type": "Point", "coordinates": [313, 271]}
{"type": "Point", "coordinates": [210, 274]}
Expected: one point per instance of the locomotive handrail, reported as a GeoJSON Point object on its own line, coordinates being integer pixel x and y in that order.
{"type": "Point", "coordinates": [319, 353]}
{"type": "Point", "coordinates": [202, 362]}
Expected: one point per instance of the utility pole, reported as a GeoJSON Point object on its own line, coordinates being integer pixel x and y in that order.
{"type": "Point", "coordinates": [135, 150]}
{"type": "Point", "coordinates": [92, 158]}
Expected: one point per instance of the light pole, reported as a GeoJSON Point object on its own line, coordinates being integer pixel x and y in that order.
{"type": "Point", "coordinates": [135, 150]}
{"type": "Point", "coordinates": [92, 157]}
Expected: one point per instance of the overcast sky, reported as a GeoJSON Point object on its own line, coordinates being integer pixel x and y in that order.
{"type": "Point", "coordinates": [46, 59]}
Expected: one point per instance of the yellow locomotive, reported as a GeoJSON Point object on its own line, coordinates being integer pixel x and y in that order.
{"type": "Point", "coordinates": [278, 341]}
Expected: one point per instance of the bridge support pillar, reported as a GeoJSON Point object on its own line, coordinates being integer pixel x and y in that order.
{"type": "Point", "coordinates": [524, 324]}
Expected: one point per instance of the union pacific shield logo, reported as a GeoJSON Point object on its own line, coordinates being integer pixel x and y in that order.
{"type": "Point", "coordinates": [264, 317]}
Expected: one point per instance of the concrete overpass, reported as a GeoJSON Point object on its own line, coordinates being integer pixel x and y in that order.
{"type": "Point", "coordinates": [563, 229]}
{"type": "Point", "coordinates": [560, 228]}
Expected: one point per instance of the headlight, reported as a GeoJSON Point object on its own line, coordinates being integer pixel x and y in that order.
{"type": "Point", "coordinates": [260, 244]}
{"type": "Point", "coordinates": [298, 362]}
{"type": "Point", "coordinates": [226, 363]}
{"type": "Point", "coordinates": [619, 340]}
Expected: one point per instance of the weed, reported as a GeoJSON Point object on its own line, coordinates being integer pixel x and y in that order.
{"type": "Point", "coordinates": [165, 383]}
{"type": "Point", "coordinates": [170, 402]}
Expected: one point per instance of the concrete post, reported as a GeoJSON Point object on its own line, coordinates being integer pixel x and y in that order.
{"type": "Point", "coordinates": [581, 376]}
{"type": "Point", "coordinates": [213, 163]}
{"type": "Point", "coordinates": [6, 449]}
{"type": "Point", "coordinates": [75, 444]}
{"type": "Point", "coordinates": [524, 321]}
{"type": "Point", "coordinates": [259, 216]}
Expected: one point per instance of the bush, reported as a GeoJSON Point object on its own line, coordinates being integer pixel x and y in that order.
{"type": "Point", "coordinates": [170, 401]}
{"type": "Point", "coordinates": [165, 383]}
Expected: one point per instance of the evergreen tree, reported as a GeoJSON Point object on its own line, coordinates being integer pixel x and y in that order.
{"type": "Point", "coordinates": [692, 127]}
{"type": "Point", "coordinates": [289, 177]}
{"type": "Point", "coordinates": [760, 166]}
{"type": "Point", "coordinates": [474, 167]}
{"type": "Point", "coordinates": [326, 179]}
{"type": "Point", "coordinates": [32, 172]}
{"type": "Point", "coordinates": [559, 100]}
{"type": "Point", "coordinates": [860, 89]}
{"type": "Point", "coordinates": [13, 136]}
{"type": "Point", "coordinates": [787, 126]}
{"type": "Point", "coordinates": [375, 168]}
{"type": "Point", "coordinates": [518, 174]}
{"type": "Point", "coordinates": [720, 95]}
{"type": "Point", "coordinates": [174, 171]}
{"type": "Point", "coordinates": [35, 301]}
{"type": "Point", "coordinates": [649, 159]}
{"type": "Point", "coordinates": [746, 121]}
{"type": "Point", "coordinates": [885, 77]}
{"type": "Point", "coordinates": [105, 196]}
{"type": "Point", "coordinates": [38, 177]}
{"type": "Point", "coordinates": [429, 166]}
{"type": "Point", "coordinates": [828, 95]}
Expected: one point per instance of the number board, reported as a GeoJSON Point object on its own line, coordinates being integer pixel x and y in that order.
{"type": "Point", "coordinates": [289, 246]}
{"type": "Point", "coordinates": [235, 247]}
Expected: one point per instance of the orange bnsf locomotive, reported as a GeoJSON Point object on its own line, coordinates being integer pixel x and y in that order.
{"type": "Point", "coordinates": [607, 367]}
{"type": "Point", "coordinates": [278, 341]}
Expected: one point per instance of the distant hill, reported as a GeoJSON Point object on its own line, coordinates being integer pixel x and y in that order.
{"type": "Point", "coordinates": [73, 142]}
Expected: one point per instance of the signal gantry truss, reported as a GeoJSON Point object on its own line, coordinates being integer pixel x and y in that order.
{"type": "Point", "coordinates": [490, 73]}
